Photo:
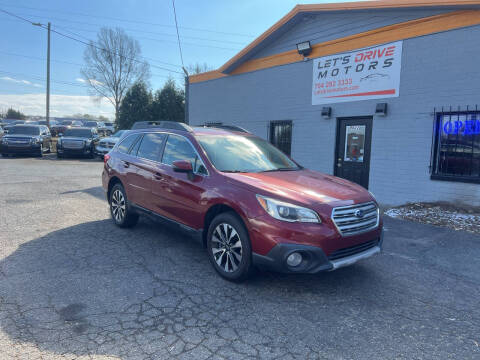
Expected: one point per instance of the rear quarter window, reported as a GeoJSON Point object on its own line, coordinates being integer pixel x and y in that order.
{"type": "Point", "coordinates": [125, 145]}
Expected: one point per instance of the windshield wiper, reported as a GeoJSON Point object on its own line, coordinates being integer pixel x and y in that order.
{"type": "Point", "coordinates": [281, 169]}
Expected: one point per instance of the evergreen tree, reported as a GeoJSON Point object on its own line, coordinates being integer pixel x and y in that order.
{"type": "Point", "coordinates": [135, 106]}
{"type": "Point", "coordinates": [169, 103]}
{"type": "Point", "coordinates": [14, 114]}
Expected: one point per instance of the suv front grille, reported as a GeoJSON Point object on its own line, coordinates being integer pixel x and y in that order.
{"type": "Point", "coordinates": [356, 219]}
{"type": "Point", "coordinates": [338, 254]}
{"type": "Point", "coordinates": [73, 144]}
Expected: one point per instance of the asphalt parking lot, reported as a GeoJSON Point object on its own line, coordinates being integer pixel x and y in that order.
{"type": "Point", "coordinates": [72, 285]}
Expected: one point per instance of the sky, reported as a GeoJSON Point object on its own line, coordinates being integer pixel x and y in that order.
{"type": "Point", "coordinates": [211, 32]}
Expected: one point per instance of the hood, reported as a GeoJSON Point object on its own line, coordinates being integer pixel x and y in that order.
{"type": "Point", "coordinates": [305, 187]}
{"type": "Point", "coordinates": [74, 138]}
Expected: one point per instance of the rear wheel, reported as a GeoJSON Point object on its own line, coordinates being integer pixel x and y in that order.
{"type": "Point", "coordinates": [122, 214]}
{"type": "Point", "coordinates": [229, 248]}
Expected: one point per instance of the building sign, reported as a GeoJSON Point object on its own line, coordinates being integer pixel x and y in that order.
{"type": "Point", "coordinates": [364, 74]}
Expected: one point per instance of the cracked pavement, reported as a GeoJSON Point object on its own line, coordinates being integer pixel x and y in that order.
{"type": "Point", "coordinates": [72, 285]}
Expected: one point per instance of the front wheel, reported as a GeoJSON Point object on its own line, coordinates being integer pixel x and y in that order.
{"type": "Point", "coordinates": [228, 247]}
{"type": "Point", "coordinates": [122, 214]}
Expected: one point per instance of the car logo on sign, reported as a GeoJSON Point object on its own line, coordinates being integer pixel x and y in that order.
{"type": "Point", "coordinates": [359, 213]}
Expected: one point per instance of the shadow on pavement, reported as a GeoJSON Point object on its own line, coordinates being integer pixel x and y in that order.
{"type": "Point", "coordinates": [150, 292]}
{"type": "Point", "coordinates": [96, 191]}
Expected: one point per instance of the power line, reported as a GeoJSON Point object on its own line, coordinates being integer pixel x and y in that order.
{"type": "Point", "coordinates": [59, 61]}
{"type": "Point", "coordinates": [85, 43]}
{"type": "Point", "coordinates": [243, 43]}
{"type": "Point", "coordinates": [39, 78]}
{"type": "Point", "coordinates": [178, 35]}
{"type": "Point", "coordinates": [127, 20]}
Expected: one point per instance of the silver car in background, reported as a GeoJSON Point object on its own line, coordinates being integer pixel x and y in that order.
{"type": "Point", "coordinates": [107, 143]}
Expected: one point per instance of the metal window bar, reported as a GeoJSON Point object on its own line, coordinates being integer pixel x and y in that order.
{"type": "Point", "coordinates": [456, 143]}
{"type": "Point", "coordinates": [280, 135]}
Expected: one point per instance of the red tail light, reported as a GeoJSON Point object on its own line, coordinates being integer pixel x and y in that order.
{"type": "Point", "coordinates": [106, 157]}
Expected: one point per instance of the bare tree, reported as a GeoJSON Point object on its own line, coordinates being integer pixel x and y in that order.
{"type": "Point", "coordinates": [113, 64]}
{"type": "Point", "coordinates": [199, 68]}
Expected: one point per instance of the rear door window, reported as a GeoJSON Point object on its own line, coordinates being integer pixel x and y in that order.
{"type": "Point", "coordinates": [151, 146]}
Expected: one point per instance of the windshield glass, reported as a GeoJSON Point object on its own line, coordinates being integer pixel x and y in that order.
{"type": "Point", "coordinates": [237, 153]}
{"type": "Point", "coordinates": [84, 133]}
{"type": "Point", "coordinates": [24, 130]}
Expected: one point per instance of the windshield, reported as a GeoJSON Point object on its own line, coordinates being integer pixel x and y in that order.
{"type": "Point", "coordinates": [84, 133]}
{"type": "Point", "coordinates": [119, 133]}
{"type": "Point", "coordinates": [237, 153]}
{"type": "Point", "coordinates": [24, 130]}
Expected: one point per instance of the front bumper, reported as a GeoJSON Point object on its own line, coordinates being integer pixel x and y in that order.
{"type": "Point", "coordinates": [67, 151]}
{"type": "Point", "coordinates": [314, 258]}
{"type": "Point", "coordinates": [24, 149]}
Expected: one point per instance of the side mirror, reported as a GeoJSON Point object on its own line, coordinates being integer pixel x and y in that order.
{"type": "Point", "coordinates": [182, 166]}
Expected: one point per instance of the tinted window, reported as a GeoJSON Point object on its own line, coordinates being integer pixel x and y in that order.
{"type": "Point", "coordinates": [24, 130]}
{"type": "Point", "coordinates": [126, 144]}
{"type": "Point", "coordinates": [151, 146]}
{"type": "Point", "coordinates": [178, 148]}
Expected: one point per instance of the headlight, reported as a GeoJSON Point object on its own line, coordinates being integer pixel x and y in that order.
{"type": "Point", "coordinates": [287, 212]}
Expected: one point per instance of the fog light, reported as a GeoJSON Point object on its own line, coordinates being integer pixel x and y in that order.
{"type": "Point", "coordinates": [294, 259]}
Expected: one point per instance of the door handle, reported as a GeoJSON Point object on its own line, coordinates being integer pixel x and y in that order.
{"type": "Point", "coordinates": [125, 164]}
{"type": "Point", "coordinates": [158, 176]}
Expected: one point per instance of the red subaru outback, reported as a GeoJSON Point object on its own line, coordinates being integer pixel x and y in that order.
{"type": "Point", "coordinates": [250, 203]}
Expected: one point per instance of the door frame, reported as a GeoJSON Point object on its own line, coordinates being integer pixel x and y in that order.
{"type": "Point", "coordinates": [337, 142]}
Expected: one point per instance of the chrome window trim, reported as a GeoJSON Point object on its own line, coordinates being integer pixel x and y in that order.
{"type": "Point", "coordinates": [354, 206]}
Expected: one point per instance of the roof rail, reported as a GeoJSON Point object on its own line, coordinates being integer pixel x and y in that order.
{"type": "Point", "coordinates": [226, 127]}
{"type": "Point", "coordinates": [172, 125]}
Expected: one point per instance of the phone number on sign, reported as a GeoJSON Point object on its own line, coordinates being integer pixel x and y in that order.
{"type": "Point", "coordinates": [332, 84]}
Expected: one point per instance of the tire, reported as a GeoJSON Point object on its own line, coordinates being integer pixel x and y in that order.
{"type": "Point", "coordinates": [122, 214]}
{"type": "Point", "coordinates": [230, 255]}
{"type": "Point", "coordinates": [4, 155]}
{"type": "Point", "coordinates": [59, 156]}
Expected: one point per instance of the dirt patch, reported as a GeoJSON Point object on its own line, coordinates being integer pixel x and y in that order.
{"type": "Point", "coordinates": [441, 214]}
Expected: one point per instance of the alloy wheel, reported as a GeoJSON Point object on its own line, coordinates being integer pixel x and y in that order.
{"type": "Point", "coordinates": [226, 247]}
{"type": "Point", "coordinates": [118, 205]}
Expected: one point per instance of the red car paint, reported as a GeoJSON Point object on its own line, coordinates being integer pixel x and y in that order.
{"type": "Point", "coordinates": [186, 200]}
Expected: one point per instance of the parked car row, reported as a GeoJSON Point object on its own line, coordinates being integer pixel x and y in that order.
{"type": "Point", "coordinates": [59, 127]}
{"type": "Point", "coordinates": [28, 138]}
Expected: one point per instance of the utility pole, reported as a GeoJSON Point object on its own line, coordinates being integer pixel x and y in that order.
{"type": "Point", "coordinates": [48, 78]}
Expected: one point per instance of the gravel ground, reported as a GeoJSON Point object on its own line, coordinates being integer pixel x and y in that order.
{"type": "Point", "coordinates": [73, 286]}
{"type": "Point", "coordinates": [453, 217]}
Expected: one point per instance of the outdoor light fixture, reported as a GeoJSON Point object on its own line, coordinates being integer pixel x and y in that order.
{"type": "Point", "coordinates": [304, 48]}
{"type": "Point", "coordinates": [381, 109]}
{"type": "Point", "coordinates": [326, 112]}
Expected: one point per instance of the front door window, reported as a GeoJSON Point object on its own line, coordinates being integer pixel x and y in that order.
{"type": "Point", "coordinates": [354, 143]}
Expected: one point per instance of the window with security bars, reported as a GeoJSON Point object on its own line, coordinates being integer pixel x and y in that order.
{"type": "Point", "coordinates": [281, 135]}
{"type": "Point", "coordinates": [456, 146]}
